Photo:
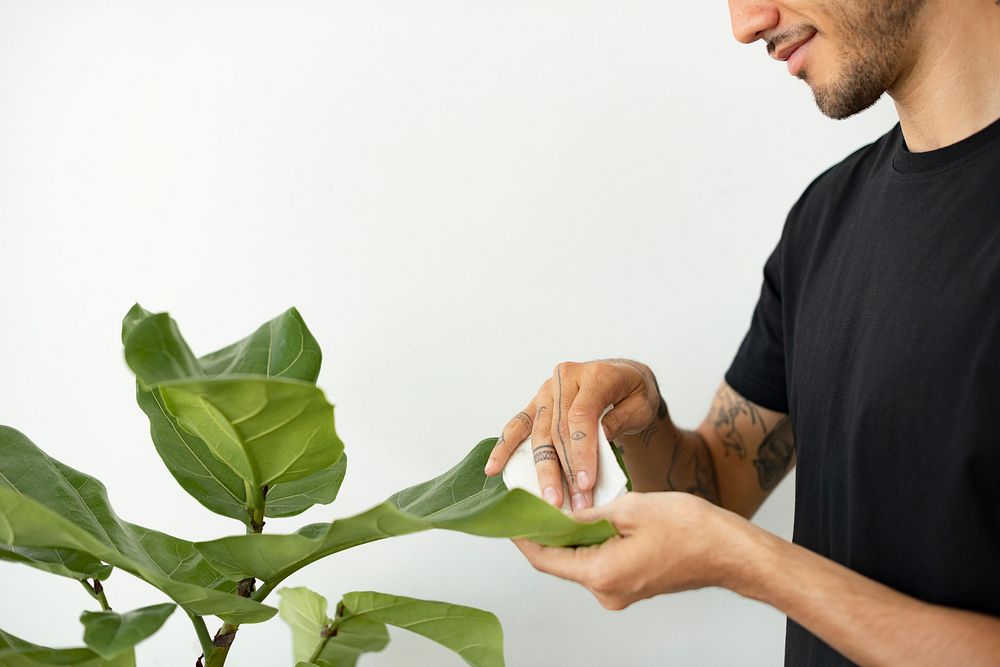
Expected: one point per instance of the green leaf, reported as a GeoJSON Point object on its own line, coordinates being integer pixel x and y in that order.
{"type": "Point", "coordinates": [462, 499]}
{"type": "Point", "coordinates": [109, 633]}
{"type": "Point", "coordinates": [267, 430]}
{"type": "Point", "coordinates": [190, 461]}
{"type": "Point", "coordinates": [46, 504]}
{"type": "Point", "coordinates": [306, 613]}
{"type": "Point", "coordinates": [474, 634]}
{"type": "Point", "coordinates": [321, 488]}
{"type": "Point", "coordinates": [281, 348]}
{"type": "Point", "coordinates": [352, 641]}
{"type": "Point", "coordinates": [16, 652]}
{"type": "Point", "coordinates": [64, 562]}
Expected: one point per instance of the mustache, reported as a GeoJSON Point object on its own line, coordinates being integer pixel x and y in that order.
{"type": "Point", "coordinates": [792, 35]}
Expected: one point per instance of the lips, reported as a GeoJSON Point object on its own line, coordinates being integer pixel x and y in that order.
{"type": "Point", "coordinates": [785, 52]}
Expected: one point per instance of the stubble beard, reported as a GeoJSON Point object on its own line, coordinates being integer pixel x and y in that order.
{"type": "Point", "coordinates": [871, 58]}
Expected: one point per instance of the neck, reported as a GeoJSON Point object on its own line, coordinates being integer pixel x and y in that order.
{"type": "Point", "coordinates": [950, 87]}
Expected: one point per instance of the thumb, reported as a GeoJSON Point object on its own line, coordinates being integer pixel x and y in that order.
{"type": "Point", "coordinates": [630, 416]}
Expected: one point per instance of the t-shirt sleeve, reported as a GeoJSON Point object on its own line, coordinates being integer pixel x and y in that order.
{"type": "Point", "coordinates": [758, 371]}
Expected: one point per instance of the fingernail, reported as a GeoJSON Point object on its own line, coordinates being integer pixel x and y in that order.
{"type": "Point", "coordinates": [583, 479]}
{"type": "Point", "coordinates": [579, 501]}
{"type": "Point", "coordinates": [550, 494]}
{"type": "Point", "coordinates": [490, 465]}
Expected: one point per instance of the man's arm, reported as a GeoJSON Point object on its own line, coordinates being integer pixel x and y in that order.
{"type": "Point", "coordinates": [735, 458]}
{"type": "Point", "coordinates": [670, 542]}
{"type": "Point", "coordinates": [869, 623]}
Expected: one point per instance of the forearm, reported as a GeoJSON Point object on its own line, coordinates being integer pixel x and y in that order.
{"type": "Point", "coordinates": [869, 623]}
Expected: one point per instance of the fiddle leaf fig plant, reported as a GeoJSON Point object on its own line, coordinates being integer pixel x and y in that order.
{"type": "Point", "coordinates": [247, 433]}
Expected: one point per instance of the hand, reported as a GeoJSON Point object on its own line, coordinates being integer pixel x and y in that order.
{"type": "Point", "coordinates": [563, 417]}
{"type": "Point", "coordinates": [667, 542]}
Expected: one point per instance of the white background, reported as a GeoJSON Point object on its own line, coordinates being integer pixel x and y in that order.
{"type": "Point", "coordinates": [456, 195]}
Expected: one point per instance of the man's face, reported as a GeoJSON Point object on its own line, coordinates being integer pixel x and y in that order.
{"type": "Point", "coordinates": [848, 51]}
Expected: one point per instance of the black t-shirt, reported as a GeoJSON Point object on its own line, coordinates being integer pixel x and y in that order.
{"type": "Point", "coordinates": [878, 331]}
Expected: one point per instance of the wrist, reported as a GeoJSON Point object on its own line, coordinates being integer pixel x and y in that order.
{"type": "Point", "coordinates": [747, 557]}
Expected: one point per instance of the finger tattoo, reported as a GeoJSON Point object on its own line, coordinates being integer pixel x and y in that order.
{"type": "Point", "coordinates": [523, 418]}
{"type": "Point", "coordinates": [545, 453]}
{"type": "Point", "coordinates": [578, 435]}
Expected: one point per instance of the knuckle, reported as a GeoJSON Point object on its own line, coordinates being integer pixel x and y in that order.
{"type": "Point", "coordinates": [565, 368]}
{"type": "Point", "coordinates": [612, 421]}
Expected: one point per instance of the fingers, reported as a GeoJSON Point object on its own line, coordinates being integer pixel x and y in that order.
{"type": "Point", "coordinates": [583, 418]}
{"type": "Point", "coordinates": [514, 433]}
{"type": "Point", "coordinates": [630, 416]}
{"type": "Point", "coordinates": [566, 389]}
{"type": "Point", "coordinates": [547, 464]}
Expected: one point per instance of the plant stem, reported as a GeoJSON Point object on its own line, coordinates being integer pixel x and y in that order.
{"type": "Point", "coordinates": [219, 646]}
{"type": "Point", "coordinates": [330, 631]}
{"type": "Point", "coordinates": [319, 649]}
{"type": "Point", "coordinates": [203, 637]}
{"type": "Point", "coordinates": [96, 591]}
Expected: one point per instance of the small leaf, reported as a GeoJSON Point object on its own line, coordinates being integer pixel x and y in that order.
{"type": "Point", "coordinates": [64, 562]}
{"type": "Point", "coordinates": [16, 652]}
{"type": "Point", "coordinates": [109, 633]}
{"type": "Point", "coordinates": [474, 634]}
{"type": "Point", "coordinates": [319, 488]}
{"type": "Point", "coordinates": [306, 613]}
{"type": "Point", "coordinates": [352, 641]}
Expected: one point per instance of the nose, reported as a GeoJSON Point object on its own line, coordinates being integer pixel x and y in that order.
{"type": "Point", "coordinates": [751, 18]}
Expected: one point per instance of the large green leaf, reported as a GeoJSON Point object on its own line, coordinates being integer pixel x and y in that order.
{"type": "Point", "coordinates": [462, 499]}
{"type": "Point", "coordinates": [16, 652]}
{"type": "Point", "coordinates": [46, 504]}
{"type": "Point", "coordinates": [64, 562]}
{"type": "Point", "coordinates": [306, 613]}
{"type": "Point", "coordinates": [110, 634]}
{"type": "Point", "coordinates": [267, 430]}
{"type": "Point", "coordinates": [281, 348]}
{"type": "Point", "coordinates": [474, 634]}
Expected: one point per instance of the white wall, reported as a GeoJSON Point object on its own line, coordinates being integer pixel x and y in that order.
{"type": "Point", "coordinates": [456, 195]}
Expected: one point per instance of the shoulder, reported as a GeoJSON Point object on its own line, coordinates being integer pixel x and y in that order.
{"type": "Point", "coordinates": [854, 170]}
{"type": "Point", "coordinates": [839, 186]}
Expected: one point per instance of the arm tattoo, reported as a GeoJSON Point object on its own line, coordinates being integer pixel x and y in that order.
{"type": "Point", "coordinates": [729, 408]}
{"type": "Point", "coordinates": [693, 465]}
{"type": "Point", "coordinates": [775, 454]}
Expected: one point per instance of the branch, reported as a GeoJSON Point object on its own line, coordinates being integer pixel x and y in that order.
{"type": "Point", "coordinates": [203, 637]}
{"type": "Point", "coordinates": [96, 591]}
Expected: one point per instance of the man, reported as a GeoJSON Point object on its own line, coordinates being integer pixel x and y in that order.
{"type": "Point", "coordinates": [872, 362]}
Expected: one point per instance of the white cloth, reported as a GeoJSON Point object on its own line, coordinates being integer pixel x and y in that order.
{"type": "Point", "coordinates": [611, 481]}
